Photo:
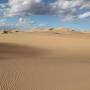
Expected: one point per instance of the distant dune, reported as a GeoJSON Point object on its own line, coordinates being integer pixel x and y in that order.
{"type": "Point", "coordinates": [48, 59]}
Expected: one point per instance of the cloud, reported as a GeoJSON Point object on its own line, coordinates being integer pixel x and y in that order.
{"type": "Point", "coordinates": [22, 20]}
{"type": "Point", "coordinates": [24, 23]}
{"type": "Point", "coordinates": [70, 9]}
{"type": "Point", "coordinates": [7, 26]}
{"type": "Point", "coordinates": [67, 9]}
{"type": "Point", "coordinates": [27, 7]}
{"type": "Point", "coordinates": [84, 15]}
{"type": "Point", "coordinates": [85, 4]}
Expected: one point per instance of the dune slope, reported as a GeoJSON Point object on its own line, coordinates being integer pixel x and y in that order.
{"type": "Point", "coordinates": [44, 61]}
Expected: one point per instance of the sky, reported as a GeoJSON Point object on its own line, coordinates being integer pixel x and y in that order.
{"type": "Point", "coordinates": [45, 13]}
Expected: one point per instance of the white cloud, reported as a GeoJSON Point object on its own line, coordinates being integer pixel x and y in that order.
{"type": "Point", "coordinates": [67, 9]}
{"type": "Point", "coordinates": [70, 9]}
{"type": "Point", "coordinates": [26, 7]}
{"type": "Point", "coordinates": [24, 23]}
{"type": "Point", "coordinates": [84, 15]}
{"type": "Point", "coordinates": [85, 4]}
{"type": "Point", "coordinates": [22, 20]}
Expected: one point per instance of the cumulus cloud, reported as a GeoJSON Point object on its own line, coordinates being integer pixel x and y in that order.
{"type": "Point", "coordinates": [70, 9]}
{"type": "Point", "coordinates": [22, 20]}
{"type": "Point", "coordinates": [24, 23]}
{"type": "Point", "coordinates": [85, 15]}
{"type": "Point", "coordinates": [27, 7]}
{"type": "Point", "coordinates": [67, 9]}
{"type": "Point", "coordinates": [7, 26]}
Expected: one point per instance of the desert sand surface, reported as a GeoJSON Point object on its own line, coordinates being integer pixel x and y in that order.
{"type": "Point", "coordinates": [45, 60]}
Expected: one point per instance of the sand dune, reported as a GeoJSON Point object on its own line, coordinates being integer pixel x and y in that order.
{"type": "Point", "coordinates": [45, 60]}
{"type": "Point", "coordinates": [8, 51]}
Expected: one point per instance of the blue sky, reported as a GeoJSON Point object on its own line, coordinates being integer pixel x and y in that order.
{"type": "Point", "coordinates": [53, 13]}
{"type": "Point", "coordinates": [3, 1]}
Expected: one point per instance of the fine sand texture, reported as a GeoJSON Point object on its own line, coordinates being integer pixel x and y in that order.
{"type": "Point", "coordinates": [45, 60]}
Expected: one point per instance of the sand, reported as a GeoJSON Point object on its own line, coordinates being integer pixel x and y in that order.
{"type": "Point", "coordinates": [45, 61]}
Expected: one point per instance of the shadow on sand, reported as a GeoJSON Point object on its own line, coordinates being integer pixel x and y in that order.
{"type": "Point", "coordinates": [9, 51]}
